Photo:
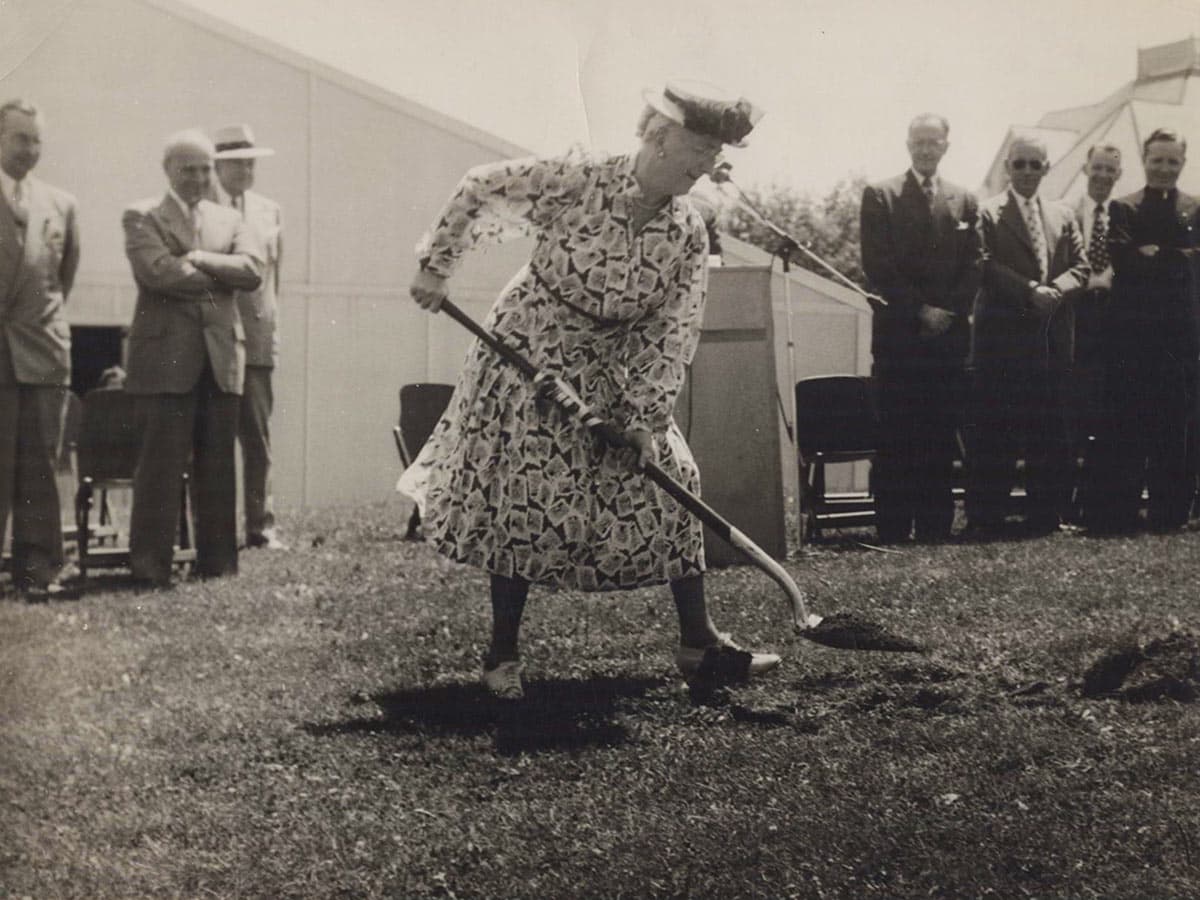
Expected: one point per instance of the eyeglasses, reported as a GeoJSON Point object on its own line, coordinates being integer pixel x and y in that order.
{"type": "Point", "coordinates": [1034, 165]}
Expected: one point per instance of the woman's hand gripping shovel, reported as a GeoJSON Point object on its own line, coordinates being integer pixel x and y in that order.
{"type": "Point", "coordinates": [844, 631]}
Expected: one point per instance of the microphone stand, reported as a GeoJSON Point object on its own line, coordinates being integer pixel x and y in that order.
{"type": "Point", "coordinates": [786, 245]}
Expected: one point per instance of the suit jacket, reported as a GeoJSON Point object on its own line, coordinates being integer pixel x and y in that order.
{"type": "Point", "coordinates": [913, 256]}
{"type": "Point", "coordinates": [1007, 327]}
{"type": "Point", "coordinates": [185, 313]}
{"type": "Point", "coordinates": [259, 309]}
{"type": "Point", "coordinates": [37, 270]}
{"type": "Point", "coordinates": [1155, 299]}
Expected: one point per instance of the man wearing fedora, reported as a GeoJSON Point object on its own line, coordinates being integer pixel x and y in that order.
{"type": "Point", "coordinates": [234, 161]}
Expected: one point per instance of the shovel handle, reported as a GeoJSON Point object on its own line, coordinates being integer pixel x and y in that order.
{"type": "Point", "coordinates": [566, 397]}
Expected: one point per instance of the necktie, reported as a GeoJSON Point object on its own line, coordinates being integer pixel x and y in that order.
{"type": "Point", "coordinates": [927, 188]}
{"type": "Point", "coordinates": [20, 212]}
{"type": "Point", "coordinates": [194, 216]}
{"type": "Point", "coordinates": [1034, 223]}
{"type": "Point", "coordinates": [1098, 245]}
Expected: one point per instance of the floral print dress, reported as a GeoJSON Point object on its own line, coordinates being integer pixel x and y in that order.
{"type": "Point", "coordinates": [509, 483]}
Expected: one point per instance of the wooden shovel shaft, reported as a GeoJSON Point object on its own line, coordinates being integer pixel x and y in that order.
{"type": "Point", "coordinates": [566, 397]}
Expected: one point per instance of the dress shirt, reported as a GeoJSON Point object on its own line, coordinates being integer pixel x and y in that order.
{"type": "Point", "coordinates": [934, 183]}
{"type": "Point", "coordinates": [8, 184]}
{"type": "Point", "coordinates": [191, 213]}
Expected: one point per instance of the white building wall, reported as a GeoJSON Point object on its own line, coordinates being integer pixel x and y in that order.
{"type": "Point", "coordinates": [359, 172]}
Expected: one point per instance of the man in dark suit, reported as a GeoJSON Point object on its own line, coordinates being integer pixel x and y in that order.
{"type": "Point", "coordinates": [186, 360]}
{"type": "Point", "coordinates": [919, 250]}
{"type": "Point", "coordinates": [1086, 410]}
{"type": "Point", "coordinates": [39, 253]}
{"type": "Point", "coordinates": [1033, 263]}
{"type": "Point", "coordinates": [259, 310]}
{"type": "Point", "coordinates": [1152, 348]}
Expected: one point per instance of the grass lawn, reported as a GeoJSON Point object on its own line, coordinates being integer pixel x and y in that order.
{"type": "Point", "coordinates": [314, 728]}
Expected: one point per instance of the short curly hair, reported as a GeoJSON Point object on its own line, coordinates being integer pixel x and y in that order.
{"type": "Point", "coordinates": [651, 123]}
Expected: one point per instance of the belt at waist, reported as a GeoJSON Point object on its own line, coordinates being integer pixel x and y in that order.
{"type": "Point", "coordinates": [554, 295]}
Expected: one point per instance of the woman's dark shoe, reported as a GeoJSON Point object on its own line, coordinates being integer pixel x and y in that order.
{"type": "Point", "coordinates": [504, 680]}
{"type": "Point", "coordinates": [723, 661]}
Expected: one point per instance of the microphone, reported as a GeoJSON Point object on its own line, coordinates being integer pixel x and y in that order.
{"type": "Point", "coordinates": [721, 176]}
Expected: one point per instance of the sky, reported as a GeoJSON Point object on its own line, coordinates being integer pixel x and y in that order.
{"type": "Point", "coordinates": [839, 79]}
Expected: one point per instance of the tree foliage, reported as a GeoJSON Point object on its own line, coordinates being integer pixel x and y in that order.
{"type": "Point", "coordinates": [828, 226]}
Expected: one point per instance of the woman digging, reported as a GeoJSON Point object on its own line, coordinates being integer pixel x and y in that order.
{"type": "Point", "coordinates": [611, 302]}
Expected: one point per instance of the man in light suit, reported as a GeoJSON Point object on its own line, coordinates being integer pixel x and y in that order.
{"type": "Point", "coordinates": [235, 157]}
{"type": "Point", "coordinates": [1152, 348]}
{"type": "Point", "coordinates": [186, 361]}
{"type": "Point", "coordinates": [1032, 263]}
{"type": "Point", "coordinates": [1086, 415]}
{"type": "Point", "coordinates": [920, 251]}
{"type": "Point", "coordinates": [39, 253]}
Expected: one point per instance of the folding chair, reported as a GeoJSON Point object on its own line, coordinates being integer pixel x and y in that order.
{"type": "Point", "coordinates": [66, 468]}
{"type": "Point", "coordinates": [421, 405]}
{"type": "Point", "coordinates": [107, 454]}
{"type": "Point", "coordinates": [837, 421]}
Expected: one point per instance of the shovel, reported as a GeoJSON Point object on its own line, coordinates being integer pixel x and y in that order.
{"type": "Point", "coordinates": [844, 631]}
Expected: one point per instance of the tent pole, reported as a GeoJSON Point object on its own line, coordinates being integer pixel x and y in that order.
{"type": "Point", "coordinates": [791, 347]}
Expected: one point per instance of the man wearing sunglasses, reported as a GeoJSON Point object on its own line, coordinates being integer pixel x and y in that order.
{"type": "Point", "coordinates": [1033, 262]}
{"type": "Point", "coordinates": [1152, 348]}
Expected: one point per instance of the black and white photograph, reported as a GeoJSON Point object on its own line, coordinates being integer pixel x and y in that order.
{"type": "Point", "coordinates": [599, 448]}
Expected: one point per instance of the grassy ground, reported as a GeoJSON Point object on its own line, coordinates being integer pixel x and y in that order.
{"type": "Point", "coordinates": [313, 728]}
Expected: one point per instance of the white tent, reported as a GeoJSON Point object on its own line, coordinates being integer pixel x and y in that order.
{"type": "Point", "coordinates": [1165, 94]}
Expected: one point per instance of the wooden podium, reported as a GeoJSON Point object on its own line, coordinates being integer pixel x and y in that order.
{"type": "Point", "coordinates": [728, 411]}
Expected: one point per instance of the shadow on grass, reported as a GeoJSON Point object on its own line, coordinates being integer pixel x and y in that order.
{"type": "Point", "coordinates": [556, 714]}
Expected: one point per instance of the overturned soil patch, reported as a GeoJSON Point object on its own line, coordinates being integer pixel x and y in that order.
{"type": "Point", "coordinates": [846, 631]}
{"type": "Point", "coordinates": [1166, 668]}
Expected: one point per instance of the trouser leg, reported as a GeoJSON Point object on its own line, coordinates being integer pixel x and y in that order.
{"type": "Point", "coordinates": [991, 433]}
{"type": "Point", "coordinates": [1170, 473]}
{"type": "Point", "coordinates": [167, 422]}
{"type": "Point", "coordinates": [1048, 451]}
{"type": "Point", "coordinates": [8, 453]}
{"type": "Point", "coordinates": [935, 446]}
{"type": "Point", "coordinates": [37, 539]}
{"type": "Point", "coordinates": [255, 438]}
{"type": "Point", "coordinates": [891, 470]}
{"type": "Point", "coordinates": [214, 486]}
{"type": "Point", "coordinates": [1115, 482]}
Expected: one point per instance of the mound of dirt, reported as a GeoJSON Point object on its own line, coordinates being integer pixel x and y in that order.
{"type": "Point", "coordinates": [847, 631]}
{"type": "Point", "coordinates": [1166, 668]}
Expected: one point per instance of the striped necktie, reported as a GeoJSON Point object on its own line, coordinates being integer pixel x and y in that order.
{"type": "Point", "coordinates": [1098, 245]}
{"type": "Point", "coordinates": [1033, 221]}
{"type": "Point", "coordinates": [927, 189]}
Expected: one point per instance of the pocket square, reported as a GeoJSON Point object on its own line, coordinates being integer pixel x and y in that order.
{"type": "Point", "coordinates": [961, 226]}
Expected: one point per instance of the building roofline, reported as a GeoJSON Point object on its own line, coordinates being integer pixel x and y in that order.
{"type": "Point", "coordinates": [353, 83]}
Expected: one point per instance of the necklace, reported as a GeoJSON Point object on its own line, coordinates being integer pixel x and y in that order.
{"type": "Point", "coordinates": [649, 207]}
